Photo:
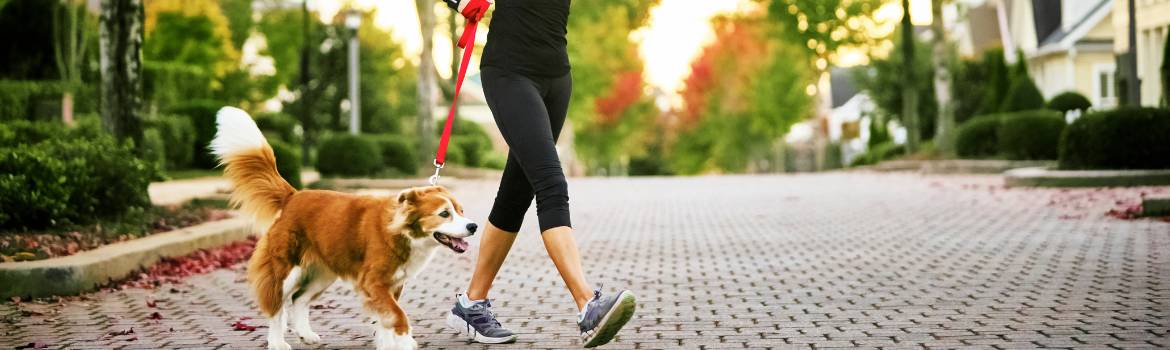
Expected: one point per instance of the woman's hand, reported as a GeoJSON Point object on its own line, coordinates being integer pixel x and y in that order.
{"type": "Point", "coordinates": [472, 10]}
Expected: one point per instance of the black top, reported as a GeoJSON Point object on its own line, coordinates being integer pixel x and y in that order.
{"type": "Point", "coordinates": [528, 37]}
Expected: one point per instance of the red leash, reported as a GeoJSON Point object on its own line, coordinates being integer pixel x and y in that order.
{"type": "Point", "coordinates": [467, 43]}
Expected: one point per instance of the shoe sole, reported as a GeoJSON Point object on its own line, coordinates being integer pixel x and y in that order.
{"type": "Point", "coordinates": [613, 321]}
{"type": "Point", "coordinates": [457, 323]}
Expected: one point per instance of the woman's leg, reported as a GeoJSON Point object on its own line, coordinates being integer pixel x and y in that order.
{"type": "Point", "coordinates": [562, 248]}
{"type": "Point", "coordinates": [493, 248]}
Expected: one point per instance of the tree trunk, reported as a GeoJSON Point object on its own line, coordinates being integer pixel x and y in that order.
{"type": "Point", "coordinates": [909, 95]}
{"type": "Point", "coordinates": [121, 68]}
{"type": "Point", "coordinates": [426, 80]}
{"type": "Point", "coordinates": [942, 82]}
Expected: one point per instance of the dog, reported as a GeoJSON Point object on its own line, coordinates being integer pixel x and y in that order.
{"type": "Point", "coordinates": [311, 238]}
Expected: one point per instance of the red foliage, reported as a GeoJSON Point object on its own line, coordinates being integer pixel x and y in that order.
{"type": "Point", "coordinates": [173, 270]}
{"type": "Point", "coordinates": [624, 93]}
{"type": "Point", "coordinates": [241, 326]}
{"type": "Point", "coordinates": [723, 66]}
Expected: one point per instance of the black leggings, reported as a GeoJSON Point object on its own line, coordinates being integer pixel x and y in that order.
{"type": "Point", "coordinates": [530, 112]}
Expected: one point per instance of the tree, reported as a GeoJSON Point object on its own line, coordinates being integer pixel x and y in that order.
{"type": "Point", "coordinates": [1166, 72]}
{"type": "Point", "coordinates": [909, 98]}
{"type": "Point", "coordinates": [609, 115]}
{"type": "Point", "coordinates": [71, 39]}
{"type": "Point", "coordinates": [999, 82]}
{"type": "Point", "coordinates": [121, 67]}
{"type": "Point", "coordinates": [885, 82]}
{"type": "Point", "coordinates": [427, 80]}
{"type": "Point", "coordinates": [742, 95]}
{"type": "Point", "coordinates": [239, 16]}
{"type": "Point", "coordinates": [943, 138]}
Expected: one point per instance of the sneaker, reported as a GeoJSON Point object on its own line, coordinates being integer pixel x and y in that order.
{"type": "Point", "coordinates": [603, 317]}
{"type": "Point", "coordinates": [479, 323]}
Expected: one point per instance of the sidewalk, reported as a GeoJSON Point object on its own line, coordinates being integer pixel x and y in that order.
{"type": "Point", "coordinates": [846, 260]}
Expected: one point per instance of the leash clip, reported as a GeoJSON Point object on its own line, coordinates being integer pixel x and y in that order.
{"type": "Point", "coordinates": [434, 179]}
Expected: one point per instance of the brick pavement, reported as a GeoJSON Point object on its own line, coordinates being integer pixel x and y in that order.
{"type": "Point", "coordinates": [833, 260]}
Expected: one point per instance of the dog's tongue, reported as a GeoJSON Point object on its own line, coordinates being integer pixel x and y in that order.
{"type": "Point", "coordinates": [459, 244]}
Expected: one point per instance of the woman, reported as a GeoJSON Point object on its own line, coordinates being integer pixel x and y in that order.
{"type": "Point", "coordinates": [525, 74]}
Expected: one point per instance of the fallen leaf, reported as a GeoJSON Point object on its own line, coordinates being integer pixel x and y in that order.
{"type": "Point", "coordinates": [241, 326]}
{"type": "Point", "coordinates": [156, 316]}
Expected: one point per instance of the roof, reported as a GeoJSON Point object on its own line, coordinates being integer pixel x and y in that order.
{"type": "Point", "coordinates": [1063, 40]}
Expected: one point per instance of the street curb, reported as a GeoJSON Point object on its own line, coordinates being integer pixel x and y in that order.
{"type": "Point", "coordinates": [1045, 177]}
{"type": "Point", "coordinates": [958, 166]}
{"type": "Point", "coordinates": [90, 269]}
{"type": "Point", "coordinates": [1156, 206]}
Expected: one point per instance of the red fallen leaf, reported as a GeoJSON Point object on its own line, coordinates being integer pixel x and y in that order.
{"type": "Point", "coordinates": [15, 300]}
{"type": "Point", "coordinates": [150, 302]}
{"type": "Point", "coordinates": [241, 326]}
{"type": "Point", "coordinates": [156, 316]}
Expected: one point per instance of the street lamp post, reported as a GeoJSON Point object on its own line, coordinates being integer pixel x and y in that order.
{"type": "Point", "coordinates": [353, 20]}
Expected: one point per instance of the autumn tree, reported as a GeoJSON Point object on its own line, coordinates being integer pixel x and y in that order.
{"type": "Point", "coordinates": [743, 94]}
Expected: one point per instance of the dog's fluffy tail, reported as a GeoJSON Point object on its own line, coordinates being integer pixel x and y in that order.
{"type": "Point", "coordinates": [248, 162]}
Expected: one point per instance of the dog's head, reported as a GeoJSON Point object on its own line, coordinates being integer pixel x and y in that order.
{"type": "Point", "coordinates": [432, 214]}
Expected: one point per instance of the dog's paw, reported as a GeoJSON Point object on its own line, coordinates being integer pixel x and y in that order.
{"type": "Point", "coordinates": [387, 340]}
{"type": "Point", "coordinates": [309, 337]}
{"type": "Point", "coordinates": [279, 345]}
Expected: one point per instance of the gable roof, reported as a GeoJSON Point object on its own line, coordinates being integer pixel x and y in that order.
{"type": "Point", "coordinates": [1062, 40]}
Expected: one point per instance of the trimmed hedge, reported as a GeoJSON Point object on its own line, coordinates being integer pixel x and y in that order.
{"type": "Point", "coordinates": [1069, 101]}
{"type": "Point", "coordinates": [397, 154]}
{"type": "Point", "coordinates": [28, 100]}
{"type": "Point", "coordinates": [348, 155]}
{"type": "Point", "coordinates": [279, 126]}
{"type": "Point", "coordinates": [288, 162]}
{"type": "Point", "coordinates": [470, 144]}
{"type": "Point", "coordinates": [179, 135]}
{"type": "Point", "coordinates": [1125, 138]}
{"type": "Point", "coordinates": [1023, 96]}
{"type": "Point", "coordinates": [1030, 135]}
{"type": "Point", "coordinates": [76, 177]}
{"type": "Point", "coordinates": [978, 137]}
{"type": "Point", "coordinates": [202, 117]}
{"type": "Point", "coordinates": [878, 153]}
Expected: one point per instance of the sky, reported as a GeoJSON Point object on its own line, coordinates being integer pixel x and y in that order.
{"type": "Point", "coordinates": [676, 33]}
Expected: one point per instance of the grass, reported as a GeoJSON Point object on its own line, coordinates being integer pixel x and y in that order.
{"type": "Point", "coordinates": [184, 174]}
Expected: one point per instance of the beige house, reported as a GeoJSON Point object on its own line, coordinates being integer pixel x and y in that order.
{"type": "Point", "coordinates": [1153, 25]}
{"type": "Point", "coordinates": [1069, 45]}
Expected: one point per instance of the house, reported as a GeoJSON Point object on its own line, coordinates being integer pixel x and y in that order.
{"type": "Point", "coordinates": [1068, 45]}
{"type": "Point", "coordinates": [1153, 26]}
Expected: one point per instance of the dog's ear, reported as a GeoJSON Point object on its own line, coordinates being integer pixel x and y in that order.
{"type": "Point", "coordinates": [409, 195]}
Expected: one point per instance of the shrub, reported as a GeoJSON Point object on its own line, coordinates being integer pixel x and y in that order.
{"type": "Point", "coordinates": [1030, 135]}
{"type": "Point", "coordinates": [279, 126]}
{"type": "Point", "coordinates": [469, 143]}
{"type": "Point", "coordinates": [497, 160]}
{"type": "Point", "coordinates": [179, 135]}
{"type": "Point", "coordinates": [70, 181]}
{"type": "Point", "coordinates": [397, 154]}
{"type": "Point", "coordinates": [348, 155]}
{"type": "Point", "coordinates": [1126, 138]}
{"type": "Point", "coordinates": [19, 100]}
{"type": "Point", "coordinates": [1023, 96]}
{"type": "Point", "coordinates": [1069, 101]}
{"type": "Point", "coordinates": [878, 153]}
{"type": "Point", "coordinates": [288, 162]}
{"type": "Point", "coordinates": [202, 116]}
{"type": "Point", "coordinates": [154, 149]}
{"type": "Point", "coordinates": [977, 138]}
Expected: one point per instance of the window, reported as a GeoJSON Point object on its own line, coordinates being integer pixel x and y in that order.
{"type": "Point", "coordinates": [1104, 86]}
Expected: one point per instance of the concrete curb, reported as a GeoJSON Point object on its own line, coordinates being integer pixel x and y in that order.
{"type": "Point", "coordinates": [958, 166]}
{"type": "Point", "coordinates": [87, 270]}
{"type": "Point", "coordinates": [1156, 206]}
{"type": "Point", "coordinates": [1045, 177]}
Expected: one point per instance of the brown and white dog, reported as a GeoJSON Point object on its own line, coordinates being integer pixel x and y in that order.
{"type": "Point", "coordinates": [315, 237]}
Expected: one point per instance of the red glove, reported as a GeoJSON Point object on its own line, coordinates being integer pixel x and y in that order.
{"type": "Point", "coordinates": [473, 10]}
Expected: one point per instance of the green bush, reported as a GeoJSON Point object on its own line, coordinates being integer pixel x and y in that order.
{"type": "Point", "coordinates": [70, 180]}
{"type": "Point", "coordinates": [348, 155]}
{"type": "Point", "coordinates": [179, 135]}
{"type": "Point", "coordinates": [878, 153]}
{"type": "Point", "coordinates": [154, 149]}
{"type": "Point", "coordinates": [1023, 96]}
{"type": "Point", "coordinates": [1030, 135]}
{"type": "Point", "coordinates": [469, 145]}
{"type": "Point", "coordinates": [279, 126]}
{"type": "Point", "coordinates": [978, 137]}
{"type": "Point", "coordinates": [397, 154]}
{"type": "Point", "coordinates": [497, 160]}
{"type": "Point", "coordinates": [202, 116]}
{"type": "Point", "coordinates": [288, 162]}
{"type": "Point", "coordinates": [41, 100]}
{"type": "Point", "coordinates": [169, 84]}
{"type": "Point", "coordinates": [1068, 101]}
{"type": "Point", "coordinates": [1126, 138]}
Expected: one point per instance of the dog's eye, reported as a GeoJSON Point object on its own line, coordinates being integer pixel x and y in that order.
{"type": "Point", "coordinates": [445, 214]}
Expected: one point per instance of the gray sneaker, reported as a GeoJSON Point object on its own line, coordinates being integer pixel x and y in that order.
{"type": "Point", "coordinates": [604, 317]}
{"type": "Point", "coordinates": [479, 323]}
